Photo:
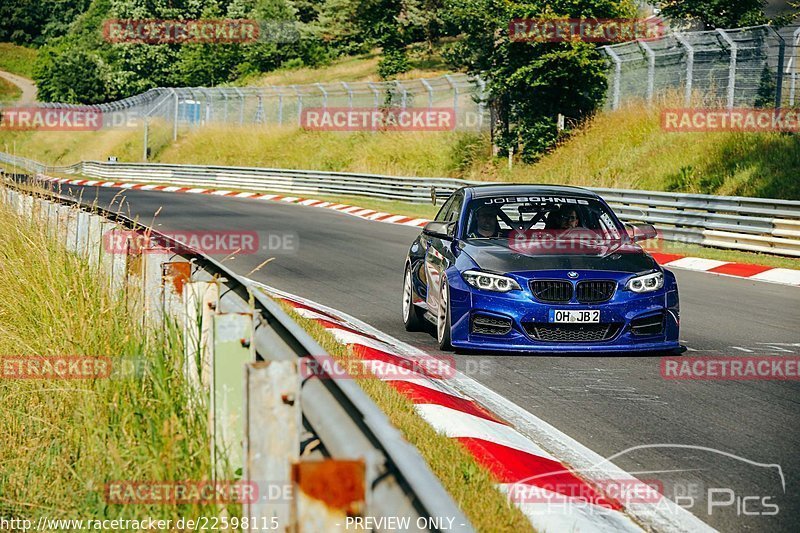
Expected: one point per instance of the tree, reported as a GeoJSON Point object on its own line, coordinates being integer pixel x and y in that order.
{"type": "Point", "coordinates": [724, 13]}
{"type": "Point", "coordinates": [530, 83]}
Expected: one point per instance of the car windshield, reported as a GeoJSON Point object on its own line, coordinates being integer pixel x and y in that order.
{"type": "Point", "coordinates": [541, 216]}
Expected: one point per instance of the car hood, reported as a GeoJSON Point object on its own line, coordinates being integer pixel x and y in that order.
{"type": "Point", "coordinates": [496, 255]}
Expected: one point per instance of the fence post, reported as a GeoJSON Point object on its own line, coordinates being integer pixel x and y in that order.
{"type": "Point", "coordinates": [375, 95]}
{"type": "Point", "coordinates": [779, 82]}
{"type": "Point", "coordinates": [146, 127]}
{"type": "Point", "coordinates": [349, 94]}
{"type": "Point", "coordinates": [240, 94]}
{"type": "Point", "coordinates": [793, 64]}
{"type": "Point", "coordinates": [651, 68]}
{"type": "Point", "coordinates": [324, 95]}
{"type": "Point", "coordinates": [403, 99]}
{"type": "Point", "coordinates": [689, 67]}
{"type": "Point", "coordinates": [481, 100]}
{"type": "Point", "coordinates": [175, 121]}
{"type": "Point", "coordinates": [299, 105]}
{"type": "Point", "coordinates": [430, 92]}
{"type": "Point", "coordinates": [617, 75]}
{"type": "Point", "coordinates": [455, 94]}
{"type": "Point", "coordinates": [731, 67]}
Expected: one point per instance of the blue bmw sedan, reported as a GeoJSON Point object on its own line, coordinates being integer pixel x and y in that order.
{"type": "Point", "coordinates": [538, 268]}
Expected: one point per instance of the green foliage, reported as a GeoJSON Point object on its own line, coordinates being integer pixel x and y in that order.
{"type": "Point", "coordinates": [530, 83]}
{"type": "Point", "coordinates": [725, 13]}
{"type": "Point", "coordinates": [33, 22]}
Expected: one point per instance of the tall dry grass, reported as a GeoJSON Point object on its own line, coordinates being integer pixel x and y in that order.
{"type": "Point", "coordinates": [62, 440]}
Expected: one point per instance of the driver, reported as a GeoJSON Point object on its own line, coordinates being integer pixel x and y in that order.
{"type": "Point", "coordinates": [567, 218]}
{"type": "Point", "coordinates": [487, 224]}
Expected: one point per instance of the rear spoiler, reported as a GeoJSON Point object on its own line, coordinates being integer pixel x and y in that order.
{"type": "Point", "coordinates": [435, 195]}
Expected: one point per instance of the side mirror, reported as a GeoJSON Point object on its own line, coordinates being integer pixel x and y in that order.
{"type": "Point", "coordinates": [641, 232]}
{"type": "Point", "coordinates": [441, 230]}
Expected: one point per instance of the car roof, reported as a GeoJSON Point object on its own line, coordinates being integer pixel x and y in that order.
{"type": "Point", "coordinates": [523, 189]}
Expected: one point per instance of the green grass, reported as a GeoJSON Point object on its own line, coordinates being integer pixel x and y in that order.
{"type": "Point", "coordinates": [64, 439]}
{"type": "Point", "coordinates": [8, 91]}
{"type": "Point", "coordinates": [362, 67]}
{"type": "Point", "coordinates": [471, 486]}
{"type": "Point", "coordinates": [17, 59]}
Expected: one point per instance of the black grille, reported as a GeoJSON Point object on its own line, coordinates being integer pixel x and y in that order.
{"type": "Point", "coordinates": [572, 332]}
{"type": "Point", "coordinates": [489, 325]}
{"type": "Point", "coordinates": [651, 325]}
{"type": "Point", "coordinates": [551, 290]}
{"type": "Point", "coordinates": [595, 291]}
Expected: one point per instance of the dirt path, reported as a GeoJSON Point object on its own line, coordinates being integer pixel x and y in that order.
{"type": "Point", "coordinates": [27, 86]}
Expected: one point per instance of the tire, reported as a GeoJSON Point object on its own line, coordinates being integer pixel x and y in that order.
{"type": "Point", "coordinates": [412, 315]}
{"type": "Point", "coordinates": [443, 318]}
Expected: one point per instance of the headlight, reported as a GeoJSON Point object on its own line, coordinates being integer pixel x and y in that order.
{"type": "Point", "coordinates": [490, 282]}
{"type": "Point", "coordinates": [647, 283]}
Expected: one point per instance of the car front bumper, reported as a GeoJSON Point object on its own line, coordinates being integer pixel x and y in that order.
{"type": "Point", "coordinates": [531, 330]}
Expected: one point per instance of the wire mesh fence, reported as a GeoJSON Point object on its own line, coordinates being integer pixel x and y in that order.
{"type": "Point", "coordinates": [740, 67]}
{"type": "Point", "coordinates": [284, 104]}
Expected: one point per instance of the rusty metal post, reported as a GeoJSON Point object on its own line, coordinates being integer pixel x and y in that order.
{"type": "Point", "coordinates": [271, 439]}
{"type": "Point", "coordinates": [174, 276]}
{"type": "Point", "coordinates": [329, 495]}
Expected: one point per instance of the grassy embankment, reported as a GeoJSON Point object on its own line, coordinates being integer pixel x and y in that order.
{"type": "Point", "coordinates": [64, 439]}
{"type": "Point", "coordinates": [17, 60]}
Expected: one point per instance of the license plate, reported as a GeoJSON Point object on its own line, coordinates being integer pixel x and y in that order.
{"type": "Point", "coordinates": [574, 317]}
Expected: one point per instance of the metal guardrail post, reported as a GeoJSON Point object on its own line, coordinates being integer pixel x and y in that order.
{"type": "Point", "coordinates": [233, 348]}
{"type": "Point", "coordinates": [731, 67]}
{"type": "Point", "coordinates": [617, 76]}
{"type": "Point", "coordinates": [651, 68]}
{"type": "Point", "coordinates": [272, 421]}
{"type": "Point", "coordinates": [689, 67]}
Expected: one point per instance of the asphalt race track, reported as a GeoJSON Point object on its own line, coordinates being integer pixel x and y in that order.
{"type": "Point", "coordinates": [608, 403]}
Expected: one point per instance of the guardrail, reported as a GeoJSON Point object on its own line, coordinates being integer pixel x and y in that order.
{"type": "Point", "coordinates": [734, 222]}
{"type": "Point", "coordinates": [347, 424]}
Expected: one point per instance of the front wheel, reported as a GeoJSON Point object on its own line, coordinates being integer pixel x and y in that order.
{"type": "Point", "coordinates": [443, 318]}
{"type": "Point", "coordinates": [412, 315]}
